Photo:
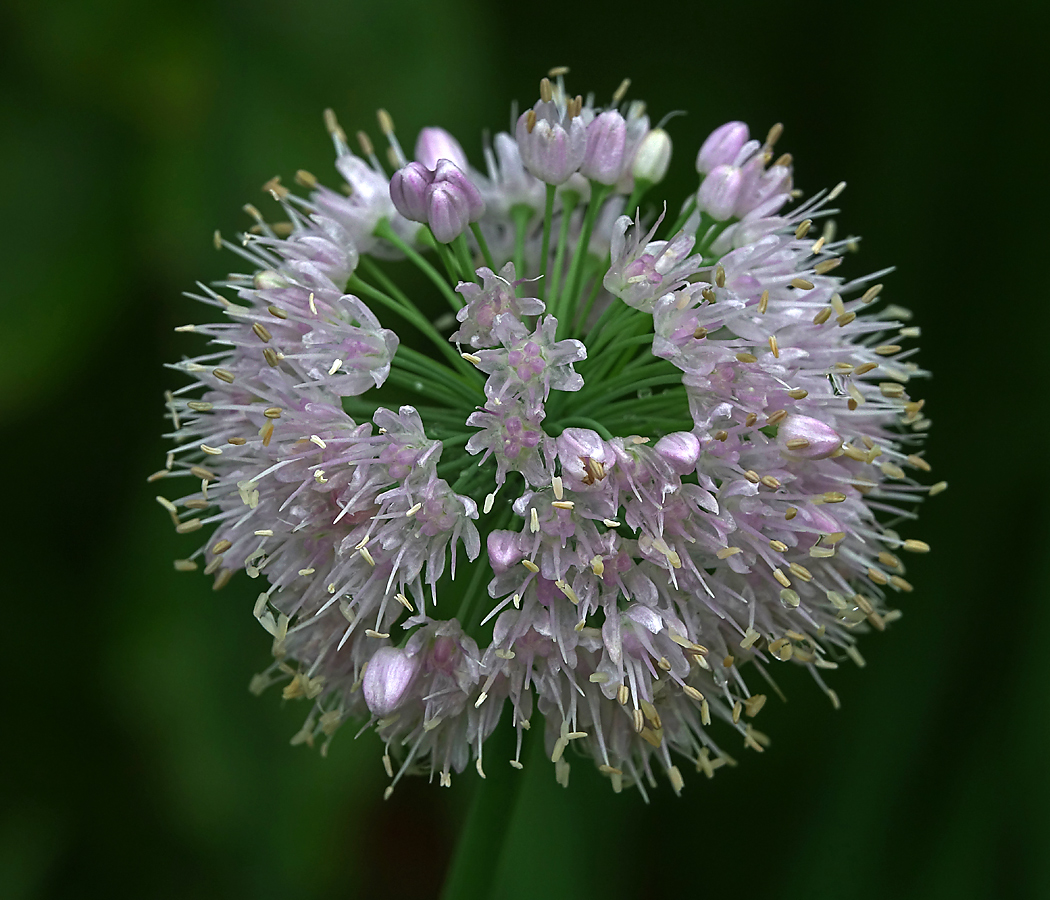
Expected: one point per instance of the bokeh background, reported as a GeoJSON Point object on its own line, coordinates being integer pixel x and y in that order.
{"type": "Point", "coordinates": [136, 763]}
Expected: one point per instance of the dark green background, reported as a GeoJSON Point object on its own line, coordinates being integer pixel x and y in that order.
{"type": "Point", "coordinates": [136, 764]}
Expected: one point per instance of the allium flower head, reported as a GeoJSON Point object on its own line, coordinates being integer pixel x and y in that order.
{"type": "Point", "coordinates": [647, 465]}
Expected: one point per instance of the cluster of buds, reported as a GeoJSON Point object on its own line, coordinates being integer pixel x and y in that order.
{"type": "Point", "coordinates": [561, 136]}
{"type": "Point", "coordinates": [736, 181]}
{"type": "Point", "coordinates": [443, 198]}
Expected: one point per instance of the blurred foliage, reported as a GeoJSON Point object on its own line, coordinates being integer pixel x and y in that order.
{"type": "Point", "coordinates": [135, 761]}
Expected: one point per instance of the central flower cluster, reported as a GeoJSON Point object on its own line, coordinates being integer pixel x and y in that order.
{"type": "Point", "coordinates": [633, 465]}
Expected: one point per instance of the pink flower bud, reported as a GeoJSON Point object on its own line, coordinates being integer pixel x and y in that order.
{"type": "Point", "coordinates": [804, 437]}
{"type": "Point", "coordinates": [720, 191]}
{"type": "Point", "coordinates": [452, 202]}
{"type": "Point", "coordinates": [450, 173]}
{"type": "Point", "coordinates": [606, 140]}
{"type": "Point", "coordinates": [387, 679]}
{"type": "Point", "coordinates": [504, 552]}
{"type": "Point", "coordinates": [408, 188]}
{"type": "Point", "coordinates": [435, 144]}
{"type": "Point", "coordinates": [680, 450]}
{"type": "Point", "coordinates": [653, 157]}
{"type": "Point", "coordinates": [721, 146]}
{"type": "Point", "coordinates": [648, 618]}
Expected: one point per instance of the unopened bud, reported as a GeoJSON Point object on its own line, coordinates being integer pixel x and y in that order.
{"type": "Point", "coordinates": [804, 437]}
{"type": "Point", "coordinates": [606, 142]}
{"type": "Point", "coordinates": [720, 191]}
{"type": "Point", "coordinates": [504, 551]}
{"type": "Point", "coordinates": [453, 202]}
{"type": "Point", "coordinates": [435, 144]}
{"type": "Point", "coordinates": [653, 157]}
{"type": "Point", "coordinates": [680, 450]}
{"type": "Point", "coordinates": [765, 192]}
{"type": "Point", "coordinates": [721, 146]}
{"type": "Point", "coordinates": [408, 187]}
{"type": "Point", "coordinates": [388, 679]}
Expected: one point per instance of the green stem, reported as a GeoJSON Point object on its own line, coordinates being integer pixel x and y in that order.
{"type": "Point", "coordinates": [631, 206]}
{"type": "Point", "coordinates": [415, 317]}
{"type": "Point", "coordinates": [619, 387]}
{"type": "Point", "coordinates": [456, 440]}
{"type": "Point", "coordinates": [632, 341]}
{"type": "Point", "coordinates": [482, 245]}
{"type": "Point", "coordinates": [580, 319]}
{"type": "Point", "coordinates": [449, 261]}
{"type": "Point", "coordinates": [711, 229]}
{"type": "Point", "coordinates": [477, 854]}
{"type": "Point", "coordinates": [421, 384]}
{"type": "Point", "coordinates": [645, 423]}
{"type": "Point", "coordinates": [548, 216]}
{"type": "Point", "coordinates": [385, 282]}
{"type": "Point", "coordinates": [444, 415]}
{"type": "Point", "coordinates": [598, 195]}
{"type": "Point", "coordinates": [520, 214]}
{"type": "Point", "coordinates": [611, 323]}
{"type": "Point", "coordinates": [386, 231]}
{"type": "Point", "coordinates": [466, 264]}
{"type": "Point", "coordinates": [441, 378]}
{"type": "Point", "coordinates": [573, 420]}
{"type": "Point", "coordinates": [665, 401]}
{"type": "Point", "coordinates": [466, 605]}
{"type": "Point", "coordinates": [568, 203]}
{"type": "Point", "coordinates": [679, 223]}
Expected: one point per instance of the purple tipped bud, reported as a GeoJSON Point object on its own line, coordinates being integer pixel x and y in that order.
{"type": "Point", "coordinates": [449, 172]}
{"type": "Point", "coordinates": [721, 146]}
{"type": "Point", "coordinates": [807, 438]}
{"type": "Point", "coordinates": [653, 157]}
{"type": "Point", "coordinates": [606, 142]}
{"type": "Point", "coordinates": [388, 679]}
{"type": "Point", "coordinates": [452, 202]}
{"type": "Point", "coordinates": [681, 450]}
{"type": "Point", "coordinates": [446, 212]}
{"type": "Point", "coordinates": [434, 144]}
{"type": "Point", "coordinates": [408, 187]}
{"type": "Point", "coordinates": [504, 552]}
{"type": "Point", "coordinates": [720, 191]}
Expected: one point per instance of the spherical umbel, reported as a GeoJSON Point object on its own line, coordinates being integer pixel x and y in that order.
{"type": "Point", "coordinates": [610, 461]}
